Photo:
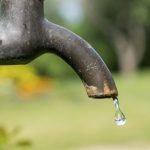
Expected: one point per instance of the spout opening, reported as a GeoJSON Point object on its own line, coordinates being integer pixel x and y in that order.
{"type": "Point", "coordinates": [101, 96]}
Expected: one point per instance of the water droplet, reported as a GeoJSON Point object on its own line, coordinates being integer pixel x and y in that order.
{"type": "Point", "coordinates": [120, 118]}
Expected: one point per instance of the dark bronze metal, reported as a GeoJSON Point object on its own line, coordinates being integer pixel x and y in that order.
{"type": "Point", "coordinates": [25, 34]}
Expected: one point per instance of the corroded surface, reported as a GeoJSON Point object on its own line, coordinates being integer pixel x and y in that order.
{"type": "Point", "coordinates": [106, 92]}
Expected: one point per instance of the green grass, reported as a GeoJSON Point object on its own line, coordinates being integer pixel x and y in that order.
{"type": "Point", "coordinates": [66, 118]}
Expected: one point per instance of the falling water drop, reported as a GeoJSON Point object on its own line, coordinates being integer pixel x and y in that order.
{"type": "Point", "coordinates": [120, 118]}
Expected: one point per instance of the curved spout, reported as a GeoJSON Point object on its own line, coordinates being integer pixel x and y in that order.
{"type": "Point", "coordinates": [83, 59]}
{"type": "Point", "coordinates": [25, 34]}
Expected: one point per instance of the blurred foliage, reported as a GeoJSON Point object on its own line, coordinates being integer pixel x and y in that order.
{"type": "Point", "coordinates": [10, 140]}
{"type": "Point", "coordinates": [137, 10]}
{"type": "Point", "coordinates": [146, 63]}
{"type": "Point", "coordinates": [22, 80]}
{"type": "Point", "coordinates": [124, 25]}
{"type": "Point", "coordinates": [100, 43]}
{"type": "Point", "coordinates": [55, 67]}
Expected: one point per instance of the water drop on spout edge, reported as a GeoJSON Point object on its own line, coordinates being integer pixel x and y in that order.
{"type": "Point", "coordinates": [120, 118]}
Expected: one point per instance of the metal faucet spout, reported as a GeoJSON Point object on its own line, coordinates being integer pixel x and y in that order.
{"type": "Point", "coordinates": [86, 62]}
{"type": "Point", "coordinates": [25, 34]}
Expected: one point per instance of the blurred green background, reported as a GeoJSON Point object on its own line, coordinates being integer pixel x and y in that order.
{"type": "Point", "coordinates": [47, 107]}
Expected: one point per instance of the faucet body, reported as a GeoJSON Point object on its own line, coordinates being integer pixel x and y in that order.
{"type": "Point", "coordinates": [25, 34]}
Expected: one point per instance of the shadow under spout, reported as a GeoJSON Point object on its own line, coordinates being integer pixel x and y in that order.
{"type": "Point", "coordinates": [82, 58]}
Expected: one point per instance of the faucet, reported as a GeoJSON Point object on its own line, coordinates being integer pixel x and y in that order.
{"type": "Point", "coordinates": [26, 34]}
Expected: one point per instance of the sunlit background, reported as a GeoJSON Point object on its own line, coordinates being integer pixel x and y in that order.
{"type": "Point", "coordinates": [44, 106]}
